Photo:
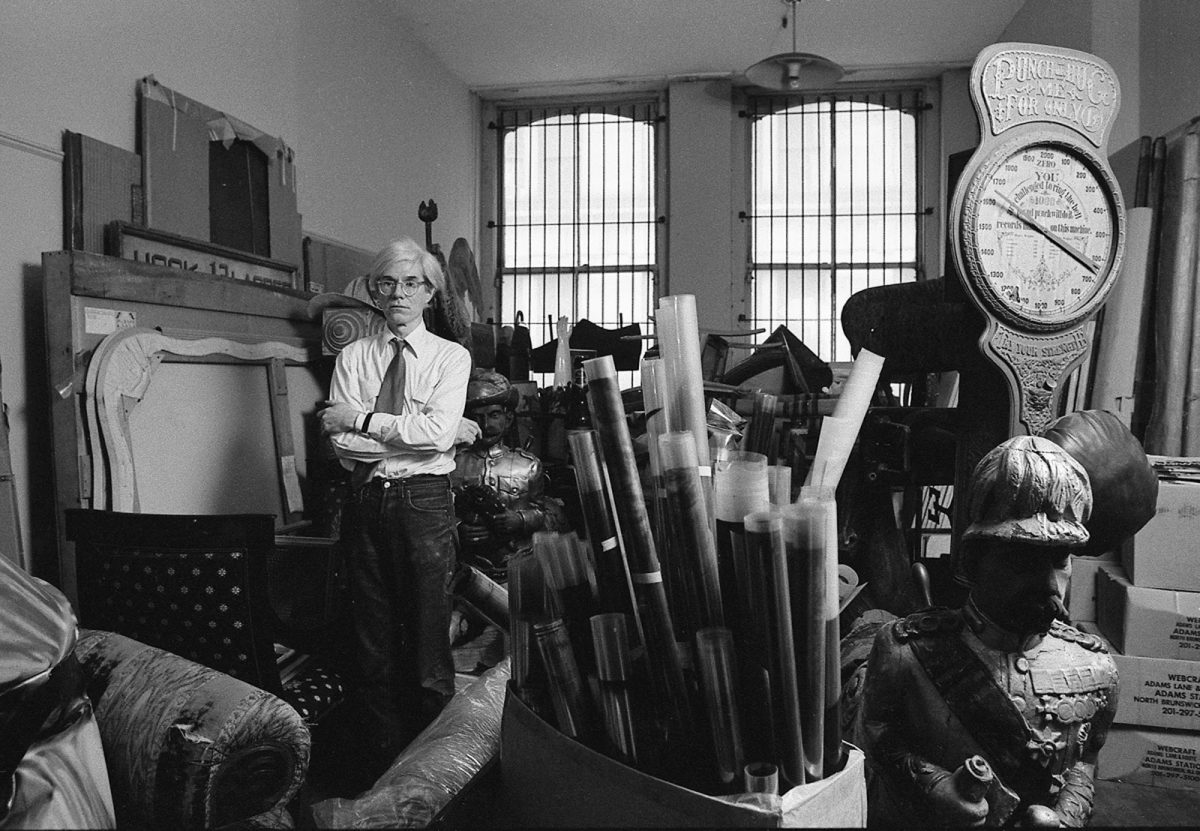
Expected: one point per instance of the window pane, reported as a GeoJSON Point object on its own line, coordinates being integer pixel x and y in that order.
{"type": "Point", "coordinates": [579, 227]}
{"type": "Point", "coordinates": [833, 184]}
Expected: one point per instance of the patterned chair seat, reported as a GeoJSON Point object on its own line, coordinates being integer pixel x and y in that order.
{"type": "Point", "coordinates": [196, 586]}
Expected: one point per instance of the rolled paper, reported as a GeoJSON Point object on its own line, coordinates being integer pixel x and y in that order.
{"type": "Point", "coordinates": [566, 568]}
{"type": "Point", "coordinates": [614, 670]}
{"type": "Point", "coordinates": [1121, 333]}
{"type": "Point", "coordinates": [771, 593]}
{"type": "Point", "coordinates": [761, 777]}
{"type": "Point", "coordinates": [481, 593]}
{"type": "Point", "coordinates": [834, 443]}
{"type": "Point", "coordinates": [687, 506]}
{"type": "Point", "coordinates": [608, 416]}
{"type": "Point", "coordinates": [568, 694]}
{"type": "Point", "coordinates": [654, 381]}
{"type": "Point", "coordinates": [848, 414]}
{"type": "Point", "coordinates": [805, 528]}
{"type": "Point", "coordinates": [614, 591]}
{"type": "Point", "coordinates": [859, 389]}
{"type": "Point", "coordinates": [779, 480]}
{"type": "Point", "coordinates": [833, 756]}
{"type": "Point", "coordinates": [685, 379]}
{"type": "Point", "coordinates": [1176, 279]}
{"type": "Point", "coordinates": [717, 665]}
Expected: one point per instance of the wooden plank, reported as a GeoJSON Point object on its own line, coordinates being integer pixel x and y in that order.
{"type": "Point", "coordinates": [65, 370]}
{"type": "Point", "coordinates": [160, 248]}
{"type": "Point", "coordinates": [285, 452]}
{"type": "Point", "coordinates": [94, 275]}
{"type": "Point", "coordinates": [10, 517]}
{"type": "Point", "coordinates": [101, 183]}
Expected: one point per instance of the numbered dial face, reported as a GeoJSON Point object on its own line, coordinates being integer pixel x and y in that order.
{"type": "Point", "coordinates": [1045, 234]}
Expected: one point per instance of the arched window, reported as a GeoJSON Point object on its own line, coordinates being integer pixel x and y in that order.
{"type": "Point", "coordinates": [579, 219]}
{"type": "Point", "coordinates": [835, 207]}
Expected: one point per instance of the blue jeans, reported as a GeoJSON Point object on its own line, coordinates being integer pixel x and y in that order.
{"type": "Point", "coordinates": [403, 553]}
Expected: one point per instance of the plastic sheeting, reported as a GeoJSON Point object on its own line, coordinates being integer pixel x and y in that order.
{"type": "Point", "coordinates": [435, 767]}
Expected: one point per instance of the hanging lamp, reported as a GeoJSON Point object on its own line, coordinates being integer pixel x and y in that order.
{"type": "Point", "coordinates": [794, 70]}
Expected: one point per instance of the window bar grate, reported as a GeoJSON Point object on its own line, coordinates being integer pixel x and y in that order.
{"type": "Point", "coordinates": [833, 206]}
{"type": "Point", "coordinates": [578, 234]}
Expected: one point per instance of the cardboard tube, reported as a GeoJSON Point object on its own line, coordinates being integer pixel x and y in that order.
{"type": "Point", "coordinates": [1176, 278]}
{"type": "Point", "coordinates": [834, 444]}
{"type": "Point", "coordinates": [608, 416]}
{"type": "Point", "coordinates": [848, 414]}
{"type": "Point", "coordinates": [685, 380]}
{"type": "Point", "coordinates": [1121, 334]}
{"type": "Point", "coordinates": [480, 592]}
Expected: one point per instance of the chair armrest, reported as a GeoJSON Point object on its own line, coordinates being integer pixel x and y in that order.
{"type": "Point", "coordinates": [188, 746]}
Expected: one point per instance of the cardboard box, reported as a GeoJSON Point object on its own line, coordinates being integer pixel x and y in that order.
{"type": "Point", "coordinates": [1081, 595]}
{"type": "Point", "coordinates": [1151, 623]}
{"type": "Point", "coordinates": [553, 781]}
{"type": "Point", "coordinates": [1155, 692]}
{"type": "Point", "coordinates": [1163, 758]}
{"type": "Point", "coordinates": [1166, 553]}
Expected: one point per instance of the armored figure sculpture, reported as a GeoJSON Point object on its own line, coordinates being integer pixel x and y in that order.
{"type": "Point", "coordinates": [1000, 685]}
{"type": "Point", "coordinates": [499, 490]}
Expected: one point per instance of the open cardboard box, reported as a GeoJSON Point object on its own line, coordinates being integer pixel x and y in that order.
{"type": "Point", "coordinates": [550, 780]}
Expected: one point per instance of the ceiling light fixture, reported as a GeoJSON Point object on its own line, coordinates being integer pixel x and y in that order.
{"type": "Point", "coordinates": [794, 70]}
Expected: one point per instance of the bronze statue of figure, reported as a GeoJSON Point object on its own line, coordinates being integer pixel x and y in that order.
{"type": "Point", "coordinates": [499, 490]}
{"type": "Point", "coordinates": [994, 713]}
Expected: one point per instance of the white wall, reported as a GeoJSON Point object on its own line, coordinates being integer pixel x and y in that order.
{"type": "Point", "coordinates": [1170, 65]}
{"type": "Point", "coordinates": [376, 121]}
{"type": "Point", "coordinates": [704, 197]}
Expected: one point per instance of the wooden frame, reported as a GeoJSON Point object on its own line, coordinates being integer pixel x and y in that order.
{"type": "Point", "coordinates": [88, 298]}
{"type": "Point", "coordinates": [118, 377]}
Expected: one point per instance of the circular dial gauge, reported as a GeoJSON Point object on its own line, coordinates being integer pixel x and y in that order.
{"type": "Point", "coordinates": [1044, 232]}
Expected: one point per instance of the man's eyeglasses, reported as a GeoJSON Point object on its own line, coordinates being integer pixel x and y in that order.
{"type": "Point", "coordinates": [388, 286]}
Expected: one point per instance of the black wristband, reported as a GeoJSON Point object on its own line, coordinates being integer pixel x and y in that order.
{"type": "Point", "coordinates": [366, 422]}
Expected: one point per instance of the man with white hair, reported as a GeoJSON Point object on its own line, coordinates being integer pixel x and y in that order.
{"type": "Point", "coordinates": [394, 415]}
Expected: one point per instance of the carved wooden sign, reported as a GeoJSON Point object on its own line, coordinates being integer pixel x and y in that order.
{"type": "Point", "coordinates": [160, 248]}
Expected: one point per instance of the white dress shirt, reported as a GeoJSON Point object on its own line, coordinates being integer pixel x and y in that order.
{"type": "Point", "coordinates": [421, 438]}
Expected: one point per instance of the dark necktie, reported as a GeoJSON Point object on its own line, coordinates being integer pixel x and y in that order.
{"type": "Point", "coordinates": [389, 400]}
{"type": "Point", "coordinates": [391, 390]}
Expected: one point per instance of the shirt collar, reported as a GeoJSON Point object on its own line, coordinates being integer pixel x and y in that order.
{"type": "Point", "coordinates": [416, 340]}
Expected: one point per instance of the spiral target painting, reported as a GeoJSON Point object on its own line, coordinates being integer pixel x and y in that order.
{"type": "Point", "coordinates": [340, 327]}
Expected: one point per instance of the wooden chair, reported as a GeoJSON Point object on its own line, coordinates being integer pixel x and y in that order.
{"type": "Point", "coordinates": [200, 587]}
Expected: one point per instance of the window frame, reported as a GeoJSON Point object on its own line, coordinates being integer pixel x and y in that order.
{"type": "Point", "coordinates": [930, 190]}
{"type": "Point", "coordinates": [491, 192]}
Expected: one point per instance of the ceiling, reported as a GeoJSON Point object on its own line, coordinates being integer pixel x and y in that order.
{"type": "Point", "coordinates": [503, 45]}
